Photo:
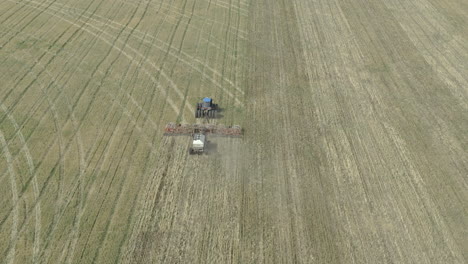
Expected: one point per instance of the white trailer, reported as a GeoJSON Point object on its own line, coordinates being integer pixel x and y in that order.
{"type": "Point", "coordinates": [198, 144]}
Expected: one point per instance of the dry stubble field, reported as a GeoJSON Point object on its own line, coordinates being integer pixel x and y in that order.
{"type": "Point", "coordinates": [356, 131]}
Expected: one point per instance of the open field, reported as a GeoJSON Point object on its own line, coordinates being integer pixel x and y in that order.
{"type": "Point", "coordinates": [356, 131]}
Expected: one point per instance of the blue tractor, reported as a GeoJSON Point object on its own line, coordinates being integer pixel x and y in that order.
{"type": "Point", "coordinates": [206, 109]}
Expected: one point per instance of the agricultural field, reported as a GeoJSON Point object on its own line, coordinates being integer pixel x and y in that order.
{"type": "Point", "coordinates": [355, 117]}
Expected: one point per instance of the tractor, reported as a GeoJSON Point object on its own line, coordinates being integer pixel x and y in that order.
{"type": "Point", "coordinates": [206, 109]}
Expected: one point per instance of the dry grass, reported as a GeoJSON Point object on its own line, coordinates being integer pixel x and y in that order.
{"type": "Point", "coordinates": [355, 116]}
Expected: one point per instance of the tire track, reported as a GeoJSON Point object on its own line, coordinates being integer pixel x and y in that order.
{"type": "Point", "coordinates": [80, 209]}
{"type": "Point", "coordinates": [117, 199]}
{"type": "Point", "coordinates": [15, 12]}
{"type": "Point", "coordinates": [37, 203]}
{"type": "Point", "coordinates": [237, 55]}
{"type": "Point", "coordinates": [197, 45]}
{"type": "Point", "coordinates": [235, 62]}
{"type": "Point", "coordinates": [39, 59]}
{"type": "Point", "coordinates": [229, 7]}
{"type": "Point", "coordinates": [137, 126]}
{"type": "Point", "coordinates": [29, 115]}
{"type": "Point", "coordinates": [37, 228]}
{"type": "Point", "coordinates": [103, 201]}
{"type": "Point", "coordinates": [78, 186]}
{"type": "Point", "coordinates": [10, 29]}
{"type": "Point", "coordinates": [126, 56]}
{"type": "Point", "coordinates": [11, 251]}
{"type": "Point", "coordinates": [226, 41]}
{"type": "Point", "coordinates": [35, 107]}
{"type": "Point", "coordinates": [61, 168]}
{"type": "Point", "coordinates": [152, 198]}
{"type": "Point", "coordinates": [18, 152]}
{"type": "Point", "coordinates": [205, 57]}
{"type": "Point", "coordinates": [159, 71]}
{"type": "Point", "coordinates": [180, 50]}
{"type": "Point", "coordinates": [211, 69]}
{"type": "Point", "coordinates": [151, 147]}
{"type": "Point", "coordinates": [171, 103]}
{"type": "Point", "coordinates": [186, 62]}
{"type": "Point", "coordinates": [132, 213]}
{"type": "Point", "coordinates": [80, 150]}
{"type": "Point", "coordinates": [146, 165]}
{"type": "Point", "coordinates": [26, 25]}
{"type": "Point", "coordinates": [204, 18]}
{"type": "Point", "coordinates": [164, 59]}
{"type": "Point", "coordinates": [71, 12]}
{"type": "Point", "coordinates": [47, 179]}
{"type": "Point", "coordinates": [112, 45]}
{"type": "Point", "coordinates": [17, 32]}
{"type": "Point", "coordinates": [105, 233]}
{"type": "Point", "coordinates": [216, 59]}
{"type": "Point", "coordinates": [126, 172]}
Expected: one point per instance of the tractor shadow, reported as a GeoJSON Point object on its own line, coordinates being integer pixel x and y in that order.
{"type": "Point", "coordinates": [219, 113]}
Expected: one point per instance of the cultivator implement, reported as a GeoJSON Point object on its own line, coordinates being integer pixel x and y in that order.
{"type": "Point", "coordinates": [173, 129]}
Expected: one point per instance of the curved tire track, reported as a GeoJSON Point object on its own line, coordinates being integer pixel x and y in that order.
{"type": "Point", "coordinates": [11, 252]}
{"type": "Point", "coordinates": [178, 57]}
{"type": "Point", "coordinates": [27, 153]}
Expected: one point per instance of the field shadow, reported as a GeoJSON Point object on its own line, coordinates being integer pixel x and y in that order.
{"type": "Point", "coordinates": [219, 115]}
{"type": "Point", "coordinates": [211, 148]}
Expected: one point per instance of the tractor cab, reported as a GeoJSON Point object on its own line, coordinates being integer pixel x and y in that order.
{"type": "Point", "coordinates": [207, 102]}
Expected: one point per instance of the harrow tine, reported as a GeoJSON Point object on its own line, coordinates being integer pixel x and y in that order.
{"type": "Point", "coordinates": [173, 129]}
